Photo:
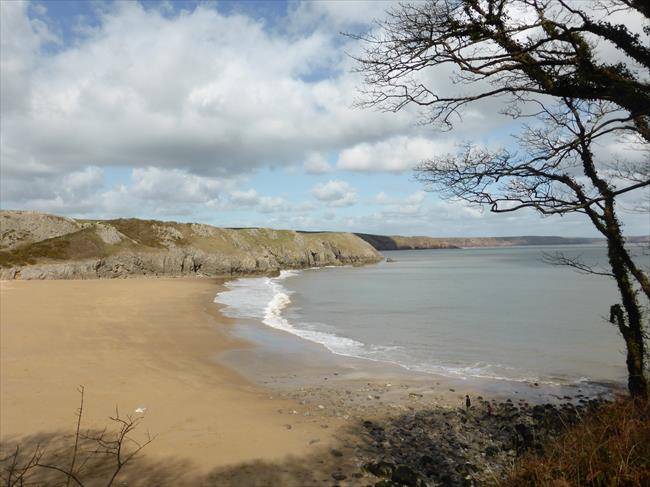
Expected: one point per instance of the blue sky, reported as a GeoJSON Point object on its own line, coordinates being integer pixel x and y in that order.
{"type": "Point", "coordinates": [228, 113]}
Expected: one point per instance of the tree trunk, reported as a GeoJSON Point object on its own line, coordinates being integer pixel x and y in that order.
{"type": "Point", "coordinates": [629, 318]}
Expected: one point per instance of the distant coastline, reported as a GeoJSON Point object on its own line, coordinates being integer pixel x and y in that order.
{"type": "Point", "coordinates": [41, 246]}
{"type": "Point", "coordinates": [397, 242]}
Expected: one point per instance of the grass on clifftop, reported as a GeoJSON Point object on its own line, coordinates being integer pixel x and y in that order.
{"type": "Point", "coordinates": [611, 447]}
{"type": "Point", "coordinates": [145, 232]}
{"type": "Point", "coordinates": [152, 236]}
{"type": "Point", "coordinates": [81, 244]}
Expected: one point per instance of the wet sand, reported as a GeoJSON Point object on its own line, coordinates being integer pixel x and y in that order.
{"type": "Point", "coordinates": [356, 387]}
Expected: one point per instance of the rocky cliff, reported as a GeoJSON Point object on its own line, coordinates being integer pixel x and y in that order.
{"type": "Point", "coordinates": [396, 242]}
{"type": "Point", "coordinates": [39, 246]}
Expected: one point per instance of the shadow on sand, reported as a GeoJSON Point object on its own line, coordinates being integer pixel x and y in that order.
{"type": "Point", "coordinates": [435, 446]}
{"type": "Point", "coordinates": [95, 468]}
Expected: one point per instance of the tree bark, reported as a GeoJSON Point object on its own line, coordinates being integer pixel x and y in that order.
{"type": "Point", "coordinates": [629, 318]}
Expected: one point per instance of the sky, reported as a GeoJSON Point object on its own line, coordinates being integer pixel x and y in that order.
{"type": "Point", "coordinates": [236, 114]}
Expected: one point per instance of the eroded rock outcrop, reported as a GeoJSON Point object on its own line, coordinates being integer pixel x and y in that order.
{"type": "Point", "coordinates": [22, 227]}
{"type": "Point", "coordinates": [69, 249]}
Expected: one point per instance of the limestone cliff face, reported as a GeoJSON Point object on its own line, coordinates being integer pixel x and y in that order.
{"type": "Point", "coordinates": [38, 246]}
{"type": "Point", "coordinates": [21, 227]}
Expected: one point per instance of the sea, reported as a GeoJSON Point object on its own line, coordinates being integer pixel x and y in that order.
{"type": "Point", "coordinates": [498, 314]}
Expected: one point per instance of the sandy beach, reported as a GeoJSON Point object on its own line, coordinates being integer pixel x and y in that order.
{"type": "Point", "coordinates": [223, 411]}
{"type": "Point", "coordinates": [136, 344]}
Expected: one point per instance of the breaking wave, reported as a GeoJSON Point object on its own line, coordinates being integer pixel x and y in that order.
{"type": "Point", "coordinates": [266, 299]}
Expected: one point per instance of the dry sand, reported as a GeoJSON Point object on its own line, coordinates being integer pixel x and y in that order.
{"type": "Point", "coordinates": [139, 343]}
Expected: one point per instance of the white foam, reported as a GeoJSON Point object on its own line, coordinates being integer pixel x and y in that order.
{"type": "Point", "coordinates": [265, 299]}
{"type": "Point", "coordinates": [251, 297]}
{"type": "Point", "coordinates": [286, 273]}
{"type": "Point", "coordinates": [273, 318]}
{"type": "Point", "coordinates": [245, 298]}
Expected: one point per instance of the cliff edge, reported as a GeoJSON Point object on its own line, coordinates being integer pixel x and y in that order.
{"type": "Point", "coordinates": [40, 246]}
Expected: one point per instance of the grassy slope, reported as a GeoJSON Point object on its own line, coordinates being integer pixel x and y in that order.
{"type": "Point", "coordinates": [608, 448]}
{"type": "Point", "coordinates": [82, 244]}
{"type": "Point", "coordinates": [151, 236]}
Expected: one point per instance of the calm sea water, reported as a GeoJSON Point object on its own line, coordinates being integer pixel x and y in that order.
{"type": "Point", "coordinates": [497, 313]}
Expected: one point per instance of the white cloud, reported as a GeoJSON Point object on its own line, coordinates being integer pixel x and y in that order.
{"type": "Point", "coordinates": [273, 204]}
{"type": "Point", "coordinates": [176, 185]}
{"type": "Point", "coordinates": [339, 13]}
{"type": "Point", "coordinates": [250, 199]}
{"type": "Point", "coordinates": [396, 154]}
{"type": "Point", "coordinates": [85, 192]}
{"type": "Point", "coordinates": [66, 191]}
{"type": "Point", "coordinates": [335, 193]}
{"type": "Point", "coordinates": [20, 41]}
{"type": "Point", "coordinates": [208, 93]}
{"type": "Point", "coordinates": [411, 215]}
{"type": "Point", "coordinates": [247, 198]}
{"type": "Point", "coordinates": [408, 205]}
{"type": "Point", "coordinates": [184, 105]}
{"type": "Point", "coordinates": [413, 199]}
{"type": "Point", "coordinates": [86, 180]}
{"type": "Point", "coordinates": [316, 164]}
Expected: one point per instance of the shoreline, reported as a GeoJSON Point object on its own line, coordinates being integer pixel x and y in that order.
{"type": "Point", "coordinates": [405, 426]}
{"type": "Point", "coordinates": [321, 368]}
{"type": "Point", "coordinates": [163, 345]}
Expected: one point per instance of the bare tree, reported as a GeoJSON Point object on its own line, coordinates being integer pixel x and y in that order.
{"type": "Point", "coordinates": [541, 59]}
{"type": "Point", "coordinates": [118, 448]}
{"type": "Point", "coordinates": [17, 473]}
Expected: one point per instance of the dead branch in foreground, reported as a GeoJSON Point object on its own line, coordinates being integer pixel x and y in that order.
{"type": "Point", "coordinates": [117, 446]}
